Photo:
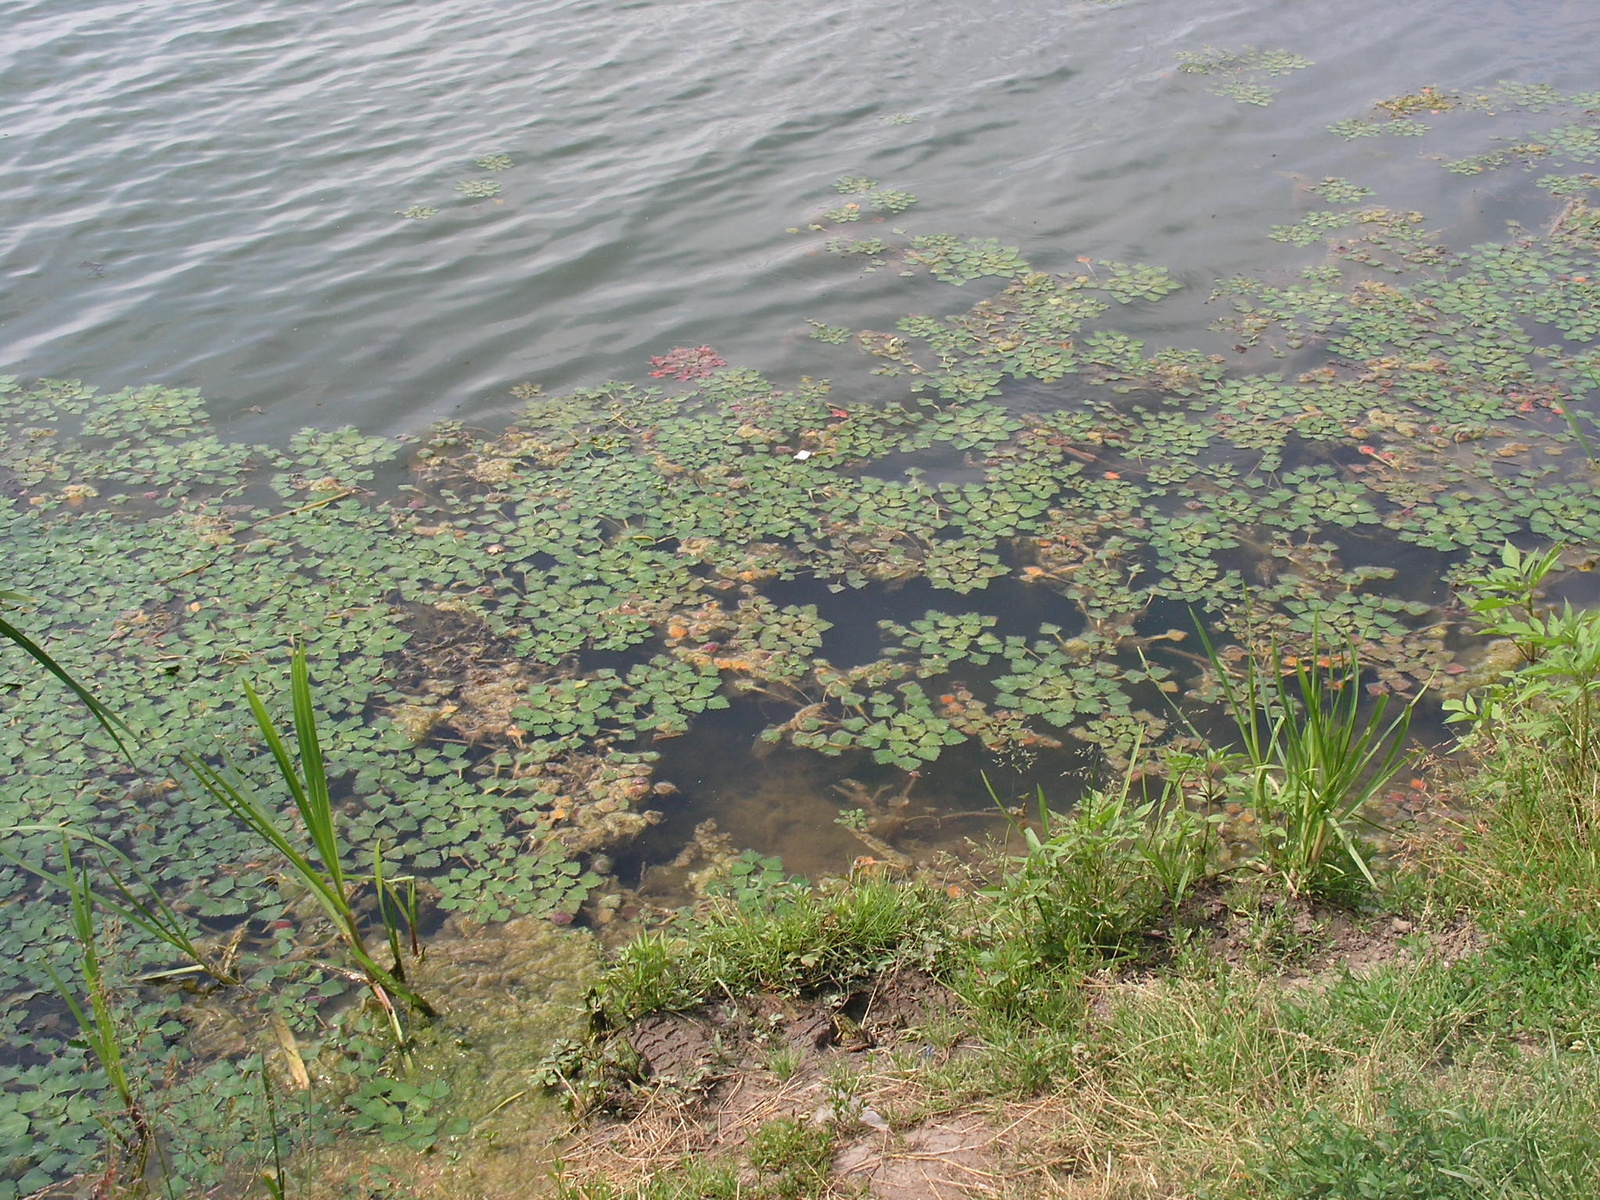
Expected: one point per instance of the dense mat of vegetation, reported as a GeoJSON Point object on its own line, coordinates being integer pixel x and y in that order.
{"type": "Point", "coordinates": [499, 638]}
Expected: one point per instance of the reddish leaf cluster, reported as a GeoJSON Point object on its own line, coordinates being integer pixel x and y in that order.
{"type": "Point", "coordinates": [686, 362]}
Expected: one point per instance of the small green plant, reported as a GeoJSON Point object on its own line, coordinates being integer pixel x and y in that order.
{"type": "Point", "coordinates": [792, 1157]}
{"type": "Point", "coordinates": [1506, 598]}
{"type": "Point", "coordinates": [1276, 934]}
{"type": "Point", "coordinates": [841, 1092]}
{"type": "Point", "coordinates": [1183, 835]}
{"type": "Point", "coordinates": [853, 819]}
{"type": "Point", "coordinates": [576, 1071]}
{"type": "Point", "coordinates": [1552, 697]}
{"type": "Point", "coordinates": [406, 1113]}
{"type": "Point", "coordinates": [1177, 845]}
{"type": "Point", "coordinates": [783, 1062]}
{"type": "Point", "coordinates": [1096, 879]}
{"type": "Point", "coordinates": [98, 1025]}
{"type": "Point", "coordinates": [1312, 759]}
{"type": "Point", "coordinates": [759, 881]}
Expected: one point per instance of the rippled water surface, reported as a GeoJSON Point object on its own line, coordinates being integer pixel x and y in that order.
{"type": "Point", "coordinates": [206, 193]}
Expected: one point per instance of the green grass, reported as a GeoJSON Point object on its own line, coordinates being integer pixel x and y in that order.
{"type": "Point", "coordinates": [791, 1157]}
{"type": "Point", "coordinates": [1532, 1143]}
{"type": "Point", "coordinates": [693, 1178]}
{"type": "Point", "coordinates": [783, 1062]}
{"type": "Point", "coordinates": [784, 1159]}
{"type": "Point", "coordinates": [843, 934]}
{"type": "Point", "coordinates": [1217, 1077]}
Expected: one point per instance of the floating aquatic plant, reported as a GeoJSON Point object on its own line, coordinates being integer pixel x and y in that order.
{"type": "Point", "coordinates": [684, 363]}
{"type": "Point", "coordinates": [1340, 191]}
{"type": "Point", "coordinates": [832, 334]}
{"type": "Point", "coordinates": [1362, 127]}
{"type": "Point", "coordinates": [1237, 74]}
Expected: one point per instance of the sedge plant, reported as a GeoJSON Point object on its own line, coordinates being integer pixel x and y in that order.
{"type": "Point", "coordinates": [1312, 758]}
{"type": "Point", "coordinates": [304, 775]}
{"type": "Point", "coordinates": [109, 721]}
{"type": "Point", "coordinates": [143, 906]}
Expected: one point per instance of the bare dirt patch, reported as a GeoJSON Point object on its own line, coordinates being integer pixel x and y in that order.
{"type": "Point", "coordinates": [1310, 944]}
{"type": "Point", "coordinates": [712, 1077]}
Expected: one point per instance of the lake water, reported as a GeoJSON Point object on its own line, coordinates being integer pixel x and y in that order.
{"type": "Point", "coordinates": [205, 193]}
{"type": "Point", "coordinates": [357, 213]}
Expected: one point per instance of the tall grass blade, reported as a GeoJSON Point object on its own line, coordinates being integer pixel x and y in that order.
{"type": "Point", "coordinates": [97, 1024]}
{"type": "Point", "coordinates": [275, 1181]}
{"type": "Point", "coordinates": [1577, 431]}
{"type": "Point", "coordinates": [146, 910]}
{"type": "Point", "coordinates": [109, 721]}
{"type": "Point", "coordinates": [388, 901]}
{"type": "Point", "coordinates": [308, 788]}
{"type": "Point", "coordinates": [310, 793]}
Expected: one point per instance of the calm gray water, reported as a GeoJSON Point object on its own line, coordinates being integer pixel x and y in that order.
{"type": "Point", "coordinates": [205, 192]}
